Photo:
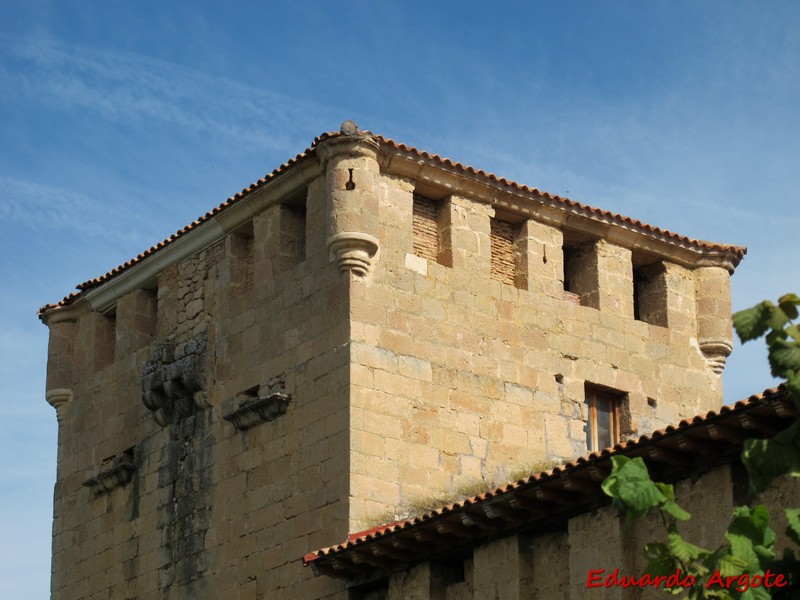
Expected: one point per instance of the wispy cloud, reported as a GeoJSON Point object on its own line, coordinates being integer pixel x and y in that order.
{"type": "Point", "coordinates": [44, 207]}
{"type": "Point", "coordinates": [142, 90]}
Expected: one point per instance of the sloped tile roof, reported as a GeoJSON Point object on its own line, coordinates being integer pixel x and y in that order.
{"type": "Point", "coordinates": [693, 446]}
{"type": "Point", "coordinates": [387, 144]}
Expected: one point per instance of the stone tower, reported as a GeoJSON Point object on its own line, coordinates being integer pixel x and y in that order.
{"type": "Point", "coordinates": [367, 325]}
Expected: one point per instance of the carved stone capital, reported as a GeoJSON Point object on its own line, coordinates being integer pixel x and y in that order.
{"type": "Point", "coordinates": [353, 251]}
{"type": "Point", "coordinates": [716, 353]}
{"type": "Point", "coordinates": [59, 399]}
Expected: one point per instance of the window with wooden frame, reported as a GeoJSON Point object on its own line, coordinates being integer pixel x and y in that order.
{"type": "Point", "coordinates": [602, 428]}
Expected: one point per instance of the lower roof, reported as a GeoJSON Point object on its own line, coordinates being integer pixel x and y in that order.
{"type": "Point", "coordinates": [544, 500]}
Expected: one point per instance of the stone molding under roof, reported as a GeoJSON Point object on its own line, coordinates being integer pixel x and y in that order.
{"type": "Point", "coordinates": [690, 448]}
{"type": "Point", "coordinates": [419, 165]}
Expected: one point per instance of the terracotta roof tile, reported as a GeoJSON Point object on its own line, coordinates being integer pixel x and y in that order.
{"type": "Point", "coordinates": [737, 252]}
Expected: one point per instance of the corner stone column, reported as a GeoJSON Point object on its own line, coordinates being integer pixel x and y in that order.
{"type": "Point", "coordinates": [352, 199]}
{"type": "Point", "coordinates": [713, 307]}
{"type": "Point", "coordinates": [60, 359]}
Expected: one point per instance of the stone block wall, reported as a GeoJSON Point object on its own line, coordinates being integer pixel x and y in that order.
{"type": "Point", "coordinates": [203, 509]}
{"type": "Point", "coordinates": [459, 378]}
{"type": "Point", "coordinates": [307, 374]}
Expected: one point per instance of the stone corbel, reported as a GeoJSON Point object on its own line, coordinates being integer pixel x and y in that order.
{"type": "Point", "coordinates": [270, 402]}
{"type": "Point", "coordinates": [353, 251]}
{"type": "Point", "coordinates": [114, 472]}
{"type": "Point", "coordinates": [59, 399]}
{"type": "Point", "coordinates": [716, 353]}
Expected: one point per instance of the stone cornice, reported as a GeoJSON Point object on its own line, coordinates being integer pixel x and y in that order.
{"type": "Point", "coordinates": [567, 216]}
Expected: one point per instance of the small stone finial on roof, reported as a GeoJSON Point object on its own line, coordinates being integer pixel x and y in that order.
{"type": "Point", "coordinates": [349, 128]}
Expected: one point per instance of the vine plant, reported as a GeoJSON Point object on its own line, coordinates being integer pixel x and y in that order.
{"type": "Point", "coordinates": [745, 565]}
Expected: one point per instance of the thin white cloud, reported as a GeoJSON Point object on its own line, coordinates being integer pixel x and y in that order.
{"type": "Point", "coordinates": [139, 89]}
{"type": "Point", "coordinates": [44, 207]}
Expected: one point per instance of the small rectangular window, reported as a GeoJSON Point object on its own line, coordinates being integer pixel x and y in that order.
{"type": "Point", "coordinates": [602, 430]}
{"type": "Point", "coordinates": [581, 277]}
{"type": "Point", "coordinates": [425, 226]}
{"type": "Point", "coordinates": [650, 292]}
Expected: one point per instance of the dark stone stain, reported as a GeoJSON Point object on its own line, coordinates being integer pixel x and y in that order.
{"type": "Point", "coordinates": [185, 506]}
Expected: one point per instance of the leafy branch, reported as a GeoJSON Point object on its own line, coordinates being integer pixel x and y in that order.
{"type": "Point", "coordinates": [749, 546]}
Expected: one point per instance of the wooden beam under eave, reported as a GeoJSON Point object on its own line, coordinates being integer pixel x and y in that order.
{"type": "Point", "coordinates": [764, 425]}
{"type": "Point", "coordinates": [478, 519]}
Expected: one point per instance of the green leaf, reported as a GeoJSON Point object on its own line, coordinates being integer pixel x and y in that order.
{"type": "Point", "coordinates": [683, 550]}
{"type": "Point", "coordinates": [777, 318]}
{"type": "Point", "coordinates": [789, 304]}
{"type": "Point", "coordinates": [742, 549]}
{"type": "Point", "coordinates": [636, 489]}
{"type": "Point", "coordinates": [786, 354]}
{"type": "Point", "coordinates": [758, 593]}
{"type": "Point", "coordinates": [675, 511]}
{"type": "Point", "coordinates": [731, 566]}
{"type": "Point", "coordinates": [751, 323]}
{"type": "Point", "coordinates": [660, 560]}
{"type": "Point", "coordinates": [669, 505]}
{"type": "Point", "coordinates": [793, 518]}
{"type": "Point", "coordinates": [769, 458]}
{"type": "Point", "coordinates": [793, 383]}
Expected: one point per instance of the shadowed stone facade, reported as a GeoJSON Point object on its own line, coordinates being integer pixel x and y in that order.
{"type": "Point", "coordinates": [288, 370]}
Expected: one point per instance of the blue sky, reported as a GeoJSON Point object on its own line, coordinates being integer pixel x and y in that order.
{"type": "Point", "coordinates": [120, 122]}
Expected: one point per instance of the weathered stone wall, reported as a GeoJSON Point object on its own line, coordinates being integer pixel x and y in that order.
{"type": "Point", "coordinates": [459, 378]}
{"type": "Point", "coordinates": [207, 510]}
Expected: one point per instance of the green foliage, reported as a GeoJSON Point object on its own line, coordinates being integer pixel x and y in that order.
{"type": "Point", "coordinates": [748, 548]}
{"type": "Point", "coordinates": [633, 491]}
{"type": "Point", "coordinates": [749, 545]}
{"type": "Point", "coordinates": [767, 459]}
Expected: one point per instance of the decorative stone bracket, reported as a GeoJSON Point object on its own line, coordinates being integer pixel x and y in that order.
{"type": "Point", "coordinates": [59, 399]}
{"type": "Point", "coordinates": [173, 381]}
{"type": "Point", "coordinates": [353, 251]}
{"type": "Point", "coordinates": [716, 353]}
{"type": "Point", "coordinates": [114, 472]}
{"type": "Point", "coordinates": [259, 406]}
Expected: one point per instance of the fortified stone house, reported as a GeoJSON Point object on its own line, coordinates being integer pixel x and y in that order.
{"type": "Point", "coordinates": [367, 326]}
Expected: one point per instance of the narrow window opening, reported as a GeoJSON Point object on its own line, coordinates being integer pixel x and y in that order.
{"type": "Point", "coordinates": [105, 339]}
{"type": "Point", "coordinates": [650, 292]}
{"type": "Point", "coordinates": [293, 232]}
{"type": "Point", "coordinates": [581, 278]}
{"type": "Point", "coordinates": [425, 226]}
{"type": "Point", "coordinates": [503, 266]}
{"type": "Point", "coordinates": [241, 249]}
{"type": "Point", "coordinates": [604, 408]}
